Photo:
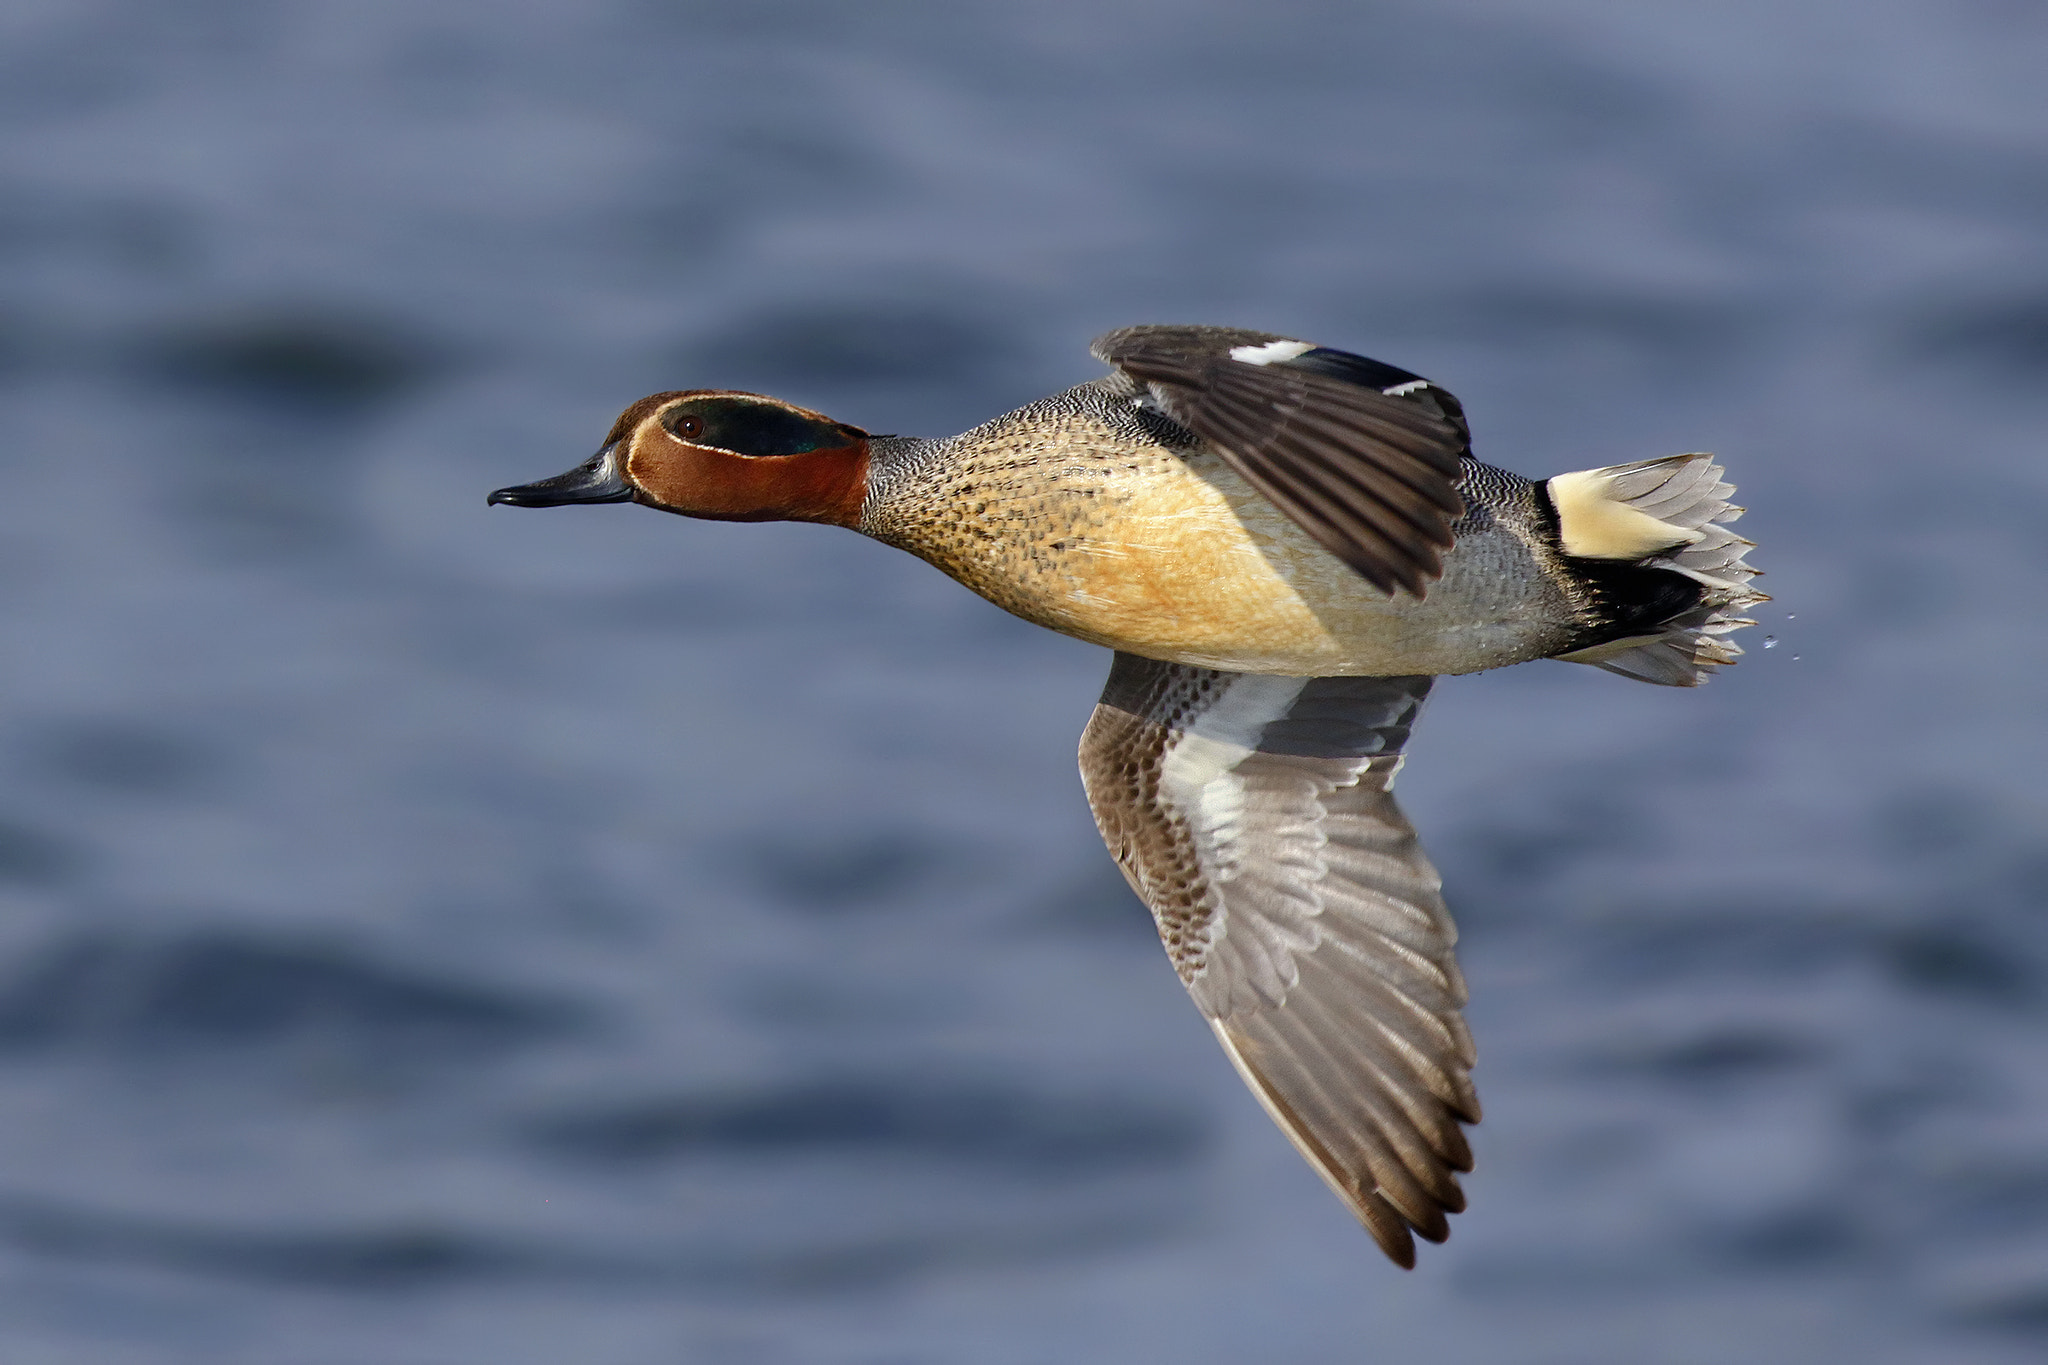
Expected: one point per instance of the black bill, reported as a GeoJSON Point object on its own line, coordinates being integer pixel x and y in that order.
{"type": "Point", "coordinates": [597, 479]}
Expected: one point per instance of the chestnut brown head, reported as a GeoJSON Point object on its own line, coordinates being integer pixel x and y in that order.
{"type": "Point", "coordinates": [720, 454]}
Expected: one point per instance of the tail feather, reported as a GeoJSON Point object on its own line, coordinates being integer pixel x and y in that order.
{"type": "Point", "coordinates": [1685, 493]}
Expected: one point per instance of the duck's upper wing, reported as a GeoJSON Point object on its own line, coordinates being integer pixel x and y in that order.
{"type": "Point", "coordinates": [1253, 815]}
{"type": "Point", "coordinates": [1360, 455]}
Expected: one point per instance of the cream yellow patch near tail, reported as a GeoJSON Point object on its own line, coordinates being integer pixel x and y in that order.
{"type": "Point", "coordinates": [1595, 520]}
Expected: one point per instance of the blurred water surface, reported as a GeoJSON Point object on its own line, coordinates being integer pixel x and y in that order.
{"type": "Point", "coordinates": [437, 935]}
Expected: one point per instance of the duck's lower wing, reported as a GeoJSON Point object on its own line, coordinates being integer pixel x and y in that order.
{"type": "Point", "coordinates": [1254, 815]}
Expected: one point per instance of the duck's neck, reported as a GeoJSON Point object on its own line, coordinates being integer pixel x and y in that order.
{"type": "Point", "coordinates": [894, 464]}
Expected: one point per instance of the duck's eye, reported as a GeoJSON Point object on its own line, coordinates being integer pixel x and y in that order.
{"type": "Point", "coordinates": [751, 426]}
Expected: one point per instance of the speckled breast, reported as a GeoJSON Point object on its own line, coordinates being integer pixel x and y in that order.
{"type": "Point", "coordinates": [1074, 514]}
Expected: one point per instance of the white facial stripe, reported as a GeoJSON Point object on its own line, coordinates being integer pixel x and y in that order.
{"type": "Point", "coordinates": [1270, 352]}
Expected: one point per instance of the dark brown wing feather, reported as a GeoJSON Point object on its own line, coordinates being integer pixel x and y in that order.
{"type": "Point", "coordinates": [1253, 815]}
{"type": "Point", "coordinates": [1368, 474]}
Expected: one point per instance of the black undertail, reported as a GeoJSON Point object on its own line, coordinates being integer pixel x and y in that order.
{"type": "Point", "coordinates": [1624, 599]}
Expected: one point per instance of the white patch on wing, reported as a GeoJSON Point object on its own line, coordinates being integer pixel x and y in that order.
{"type": "Point", "coordinates": [1197, 775]}
{"type": "Point", "coordinates": [1403, 390]}
{"type": "Point", "coordinates": [1270, 352]}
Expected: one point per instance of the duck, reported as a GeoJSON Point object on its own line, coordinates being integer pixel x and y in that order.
{"type": "Point", "coordinates": [1284, 544]}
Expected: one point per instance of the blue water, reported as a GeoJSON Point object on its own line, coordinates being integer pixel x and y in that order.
{"type": "Point", "coordinates": [431, 934]}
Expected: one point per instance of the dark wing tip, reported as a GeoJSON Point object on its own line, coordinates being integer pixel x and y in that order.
{"type": "Point", "coordinates": [1388, 1228]}
{"type": "Point", "coordinates": [1411, 573]}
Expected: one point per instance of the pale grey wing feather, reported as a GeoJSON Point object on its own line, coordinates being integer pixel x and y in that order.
{"type": "Point", "coordinates": [1254, 815]}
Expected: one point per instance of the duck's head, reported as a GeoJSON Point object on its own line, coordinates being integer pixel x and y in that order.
{"type": "Point", "coordinates": [720, 454]}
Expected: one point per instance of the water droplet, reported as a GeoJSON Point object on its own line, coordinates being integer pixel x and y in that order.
{"type": "Point", "coordinates": [1795, 658]}
{"type": "Point", "coordinates": [1770, 642]}
{"type": "Point", "coordinates": [1791, 616]}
